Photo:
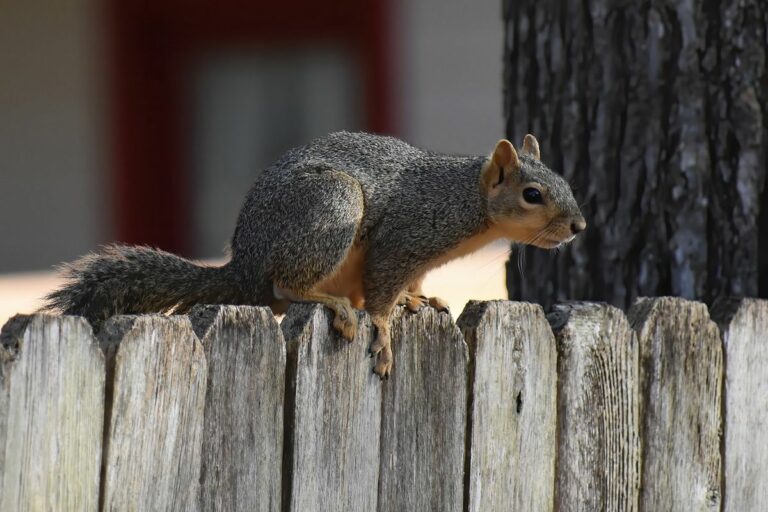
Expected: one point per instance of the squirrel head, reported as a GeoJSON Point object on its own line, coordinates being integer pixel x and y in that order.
{"type": "Point", "coordinates": [526, 200]}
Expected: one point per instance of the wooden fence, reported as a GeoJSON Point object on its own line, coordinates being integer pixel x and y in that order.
{"type": "Point", "coordinates": [588, 409]}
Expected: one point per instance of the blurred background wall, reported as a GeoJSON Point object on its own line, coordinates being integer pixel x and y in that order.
{"type": "Point", "coordinates": [53, 171]}
{"type": "Point", "coordinates": [146, 122]}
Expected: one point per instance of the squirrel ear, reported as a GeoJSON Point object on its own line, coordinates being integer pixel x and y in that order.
{"type": "Point", "coordinates": [531, 147]}
{"type": "Point", "coordinates": [504, 155]}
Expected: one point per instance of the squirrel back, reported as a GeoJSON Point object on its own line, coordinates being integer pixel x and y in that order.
{"type": "Point", "coordinates": [407, 191]}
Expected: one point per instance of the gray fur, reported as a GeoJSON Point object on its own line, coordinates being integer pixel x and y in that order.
{"type": "Point", "coordinates": [135, 279]}
{"type": "Point", "coordinates": [558, 190]}
{"type": "Point", "coordinates": [405, 206]}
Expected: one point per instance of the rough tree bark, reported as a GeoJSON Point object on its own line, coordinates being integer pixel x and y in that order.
{"type": "Point", "coordinates": [654, 110]}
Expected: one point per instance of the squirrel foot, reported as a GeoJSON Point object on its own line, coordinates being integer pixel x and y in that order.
{"type": "Point", "coordinates": [384, 363]}
{"type": "Point", "coordinates": [345, 321]}
{"type": "Point", "coordinates": [414, 302]}
{"type": "Point", "coordinates": [382, 347]}
{"type": "Point", "coordinates": [439, 304]}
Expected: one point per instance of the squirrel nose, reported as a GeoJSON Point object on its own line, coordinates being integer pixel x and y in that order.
{"type": "Point", "coordinates": [578, 225]}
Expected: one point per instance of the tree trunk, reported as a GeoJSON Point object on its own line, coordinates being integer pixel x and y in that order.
{"type": "Point", "coordinates": [654, 111]}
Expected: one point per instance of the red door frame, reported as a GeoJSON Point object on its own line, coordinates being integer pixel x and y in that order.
{"type": "Point", "coordinates": [153, 43]}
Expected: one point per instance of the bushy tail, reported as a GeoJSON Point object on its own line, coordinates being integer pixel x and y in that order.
{"type": "Point", "coordinates": [124, 279]}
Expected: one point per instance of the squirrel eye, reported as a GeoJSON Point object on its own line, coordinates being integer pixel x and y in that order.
{"type": "Point", "coordinates": [532, 195]}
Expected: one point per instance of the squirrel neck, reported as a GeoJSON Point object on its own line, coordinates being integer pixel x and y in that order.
{"type": "Point", "coordinates": [456, 210]}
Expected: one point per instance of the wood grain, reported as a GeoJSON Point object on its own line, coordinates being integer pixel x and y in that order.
{"type": "Point", "coordinates": [155, 397]}
{"type": "Point", "coordinates": [423, 422]}
{"type": "Point", "coordinates": [598, 409]}
{"type": "Point", "coordinates": [51, 414]}
{"type": "Point", "coordinates": [513, 406]}
{"type": "Point", "coordinates": [243, 428]}
{"type": "Point", "coordinates": [744, 327]}
{"type": "Point", "coordinates": [681, 376]}
{"type": "Point", "coordinates": [335, 404]}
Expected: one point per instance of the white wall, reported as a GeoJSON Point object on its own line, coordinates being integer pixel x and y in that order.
{"type": "Point", "coordinates": [50, 151]}
{"type": "Point", "coordinates": [450, 74]}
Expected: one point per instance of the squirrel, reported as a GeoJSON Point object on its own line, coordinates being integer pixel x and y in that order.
{"type": "Point", "coordinates": [350, 220]}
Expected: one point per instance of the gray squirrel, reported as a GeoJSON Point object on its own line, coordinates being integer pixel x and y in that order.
{"type": "Point", "coordinates": [350, 220]}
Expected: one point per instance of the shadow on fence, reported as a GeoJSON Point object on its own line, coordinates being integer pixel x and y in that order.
{"type": "Point", "coordinates": [224, 409]}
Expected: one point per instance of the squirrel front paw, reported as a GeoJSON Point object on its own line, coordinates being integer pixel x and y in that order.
{"type": "Point", "coordinates": [439, 304]}
{"type": "Point", "coordinates": [382, 348]}
{"type": "Point", "coordinates": [414, 302]}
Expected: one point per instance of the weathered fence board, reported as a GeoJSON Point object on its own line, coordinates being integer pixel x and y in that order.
{"type": "Point", "coordinates": [156, 385]}
{"type": "Point", "coordinates": [604, 414]}
{"type": "Point", "coordinates": [512, 413]}
{"type": "Point", "coordinates": [681, 374]}
{"type": "Point", "coordinates": [335, 403]}
{"type": "Point", "coordinates": [423, 417]}
{"type": "Point", "coordinates": [598, 448]}
{"type": "Point", "coordinates": [243, 426]}
{"type": "Point", "coordinates": [51, 414]}
{"type": "Point", "coordinates": [744, 326]}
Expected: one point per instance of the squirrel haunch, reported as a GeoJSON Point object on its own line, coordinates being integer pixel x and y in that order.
{"type": "Point", "coordinates": [350, 219]}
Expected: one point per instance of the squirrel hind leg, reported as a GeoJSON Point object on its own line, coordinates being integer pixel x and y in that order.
{"type": "Point", "coordinates": [316, 233]}
{"type": "Point", "coordinates": [345, 319]}
{"type": "Point", "coordinates": [312, 254]}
